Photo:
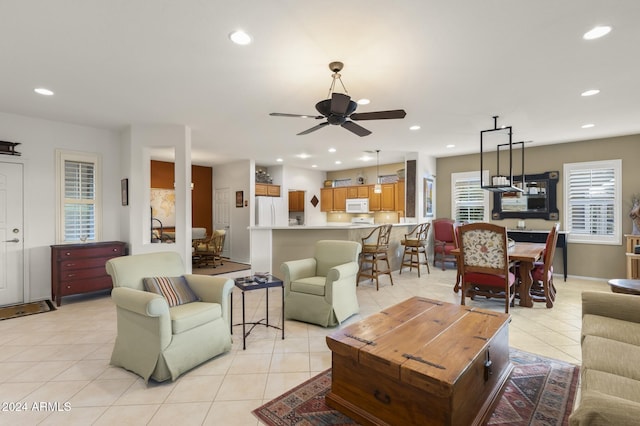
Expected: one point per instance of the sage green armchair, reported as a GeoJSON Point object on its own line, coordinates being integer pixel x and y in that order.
{"type": "Point", "coordinates": [322, 290]}
{"type": "Point", "coordinates": [161, 342]}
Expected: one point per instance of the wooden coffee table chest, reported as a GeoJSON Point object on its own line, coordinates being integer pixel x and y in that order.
{"type": "Point", "coordinates": [420, 362]}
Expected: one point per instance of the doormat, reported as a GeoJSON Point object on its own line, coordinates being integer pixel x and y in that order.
{"type": "Point", "coordinates": [539, 391]}
{"type": "Point", "coordinates": [24, 309]}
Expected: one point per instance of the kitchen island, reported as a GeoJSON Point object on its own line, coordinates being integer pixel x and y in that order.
{"type": "Point", "coordinates": [272, 245]}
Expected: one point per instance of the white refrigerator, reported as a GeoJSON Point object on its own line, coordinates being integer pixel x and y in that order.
{"type": "Point", "coordinates": [271, 211]}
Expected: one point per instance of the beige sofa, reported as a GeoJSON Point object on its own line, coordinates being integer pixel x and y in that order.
{"type": "Point", "coordinates": [610, 375]}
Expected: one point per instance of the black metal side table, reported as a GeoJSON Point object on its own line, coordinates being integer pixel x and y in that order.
{"type": "Point", "coordinates": [257, 282]}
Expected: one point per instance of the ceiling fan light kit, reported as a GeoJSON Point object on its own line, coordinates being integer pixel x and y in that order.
{"type": "Point", "coordinates": [339, 109]}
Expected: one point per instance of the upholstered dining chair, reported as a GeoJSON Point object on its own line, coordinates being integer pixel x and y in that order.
{"type": "Point", "coordinates": [444, 241]}
{"type": "Point", "coordinates": [168, 322]}
{"type": "Point", "coordinates": [542, 274]}
{"type": "Point", "coordinates": [322, 289]}
{"type": "Point", "coordinates": [375, 248]}
{"type": "Point", "coordinates": [485, 263]}
{"type": "Point", "coordinates": [209, 250]}
{"type": "Point", "coordinates": [415, 243]}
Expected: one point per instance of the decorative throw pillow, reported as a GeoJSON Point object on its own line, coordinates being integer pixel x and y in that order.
{"type": "Point", "coordinates": [174, 289]}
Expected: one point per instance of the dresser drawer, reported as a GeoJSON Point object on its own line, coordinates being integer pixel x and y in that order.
{"type": "Point", "coordinates": [83, 252]}
{"type": "Point", "coordinates": [84, 286]}
{"type": "Point", "coordinates": [73, 264]}
{"type": "Point", "coordinates": [74, 274]}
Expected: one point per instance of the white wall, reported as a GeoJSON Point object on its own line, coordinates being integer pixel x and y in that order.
{"type": "Point", "coordinates": [138, 142]}
{"type": "Point", "coordinates": [309, 181]}
{"type": "Point", "coordinates": [425, 168]}
{"type": "Point", "coordinates": [237, 176]}
{"type": "Point", "coordinates": [39, 139]}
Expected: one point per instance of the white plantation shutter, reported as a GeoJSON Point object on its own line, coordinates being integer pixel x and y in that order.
{"type": "Point", "coordinates": [79, 200]}
{"type": "Point", "coordinates": [592, 206]}
{"type": "Point", "coordinates": [78, 197]}
{"type": "Point", "coordinates": [470, 203]}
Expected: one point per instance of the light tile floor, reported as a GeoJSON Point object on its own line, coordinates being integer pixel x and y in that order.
{"type": "Point", "coordinates": [63, 357]}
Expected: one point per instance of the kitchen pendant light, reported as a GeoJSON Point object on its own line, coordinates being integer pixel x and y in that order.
{"type": "Point", "coordinates": [377, 188]}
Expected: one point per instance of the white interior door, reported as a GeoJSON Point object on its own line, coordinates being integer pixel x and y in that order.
{"type": "Point", "coordinates": [11, 235]}
{"type": "Point", "coordinates": [222, 216]}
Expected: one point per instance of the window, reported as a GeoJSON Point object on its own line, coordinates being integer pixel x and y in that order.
{"type": "Point", "coordinates": [592, 201]}
{"type": "Point", "coordinates": [469, 202]}
{"type": "Point", "coordinates": [78, 197]}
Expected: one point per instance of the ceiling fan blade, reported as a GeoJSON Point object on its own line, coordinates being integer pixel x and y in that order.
{"type": "Point", "coordinates": [314, 128]}
{"type": "Point", "coordinates": [355, 128]}
{"type": "Point", "coordinates": [281, 114]}
{"type": "Point", "coordinates": [379, 115]}
{"type": "Point", "coordinates": [339, 103]}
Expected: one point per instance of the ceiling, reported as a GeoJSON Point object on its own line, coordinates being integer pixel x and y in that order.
{"type": "Point", "coordinates": [451, 65]}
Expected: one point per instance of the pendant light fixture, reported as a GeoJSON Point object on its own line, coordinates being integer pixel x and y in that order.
{"type": "Point", "coordinates": [377, 188]}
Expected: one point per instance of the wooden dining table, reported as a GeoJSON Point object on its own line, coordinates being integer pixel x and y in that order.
{"type": "Point", "coordinates": [524, 253]}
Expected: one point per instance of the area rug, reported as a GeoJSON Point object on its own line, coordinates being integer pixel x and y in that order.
{"type": "Point", "coordinates": [15, 311]}
{"type": "Point", "coordinates": [226, 267]}
{"type": "Point", "coordinates": [540, 391]}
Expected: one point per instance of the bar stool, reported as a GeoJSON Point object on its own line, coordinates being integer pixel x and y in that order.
{"type": "Point", "coordinates": [415, 242]}
{"type": "Point", "coordinates": [374, 253]}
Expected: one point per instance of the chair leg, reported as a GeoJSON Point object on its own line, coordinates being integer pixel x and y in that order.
{"type": "Point", "coordinates": [426, 261]}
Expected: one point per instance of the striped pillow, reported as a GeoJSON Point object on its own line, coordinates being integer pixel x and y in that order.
{"type": "Point", "coordinates": [174, 289]}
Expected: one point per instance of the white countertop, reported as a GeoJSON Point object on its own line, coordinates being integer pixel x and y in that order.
{"type": "Point", "coordinates": [333, 225]}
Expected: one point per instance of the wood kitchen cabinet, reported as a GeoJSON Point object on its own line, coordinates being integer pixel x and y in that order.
{"type": "Point", "coordinates": [388, 197]}
{"type": "Point", "coordinates": [340, 199]}
{"type": "Point", "coordinates": [80, 268]}
{"type": "Point", "coordinates": [333, 199]}
{"type": "Point", "coordinates": [296, 201]}
{"type": "Point", "coordinates": [326, 199]}
{"type": "Point", "coordinates": [385, 201]}
{"type": "Point", "coordinates": [360, 191]}
{"type": "Point", "coordinates": [267, 190]}
{"type": "Point", "coordinates": [391, 198]}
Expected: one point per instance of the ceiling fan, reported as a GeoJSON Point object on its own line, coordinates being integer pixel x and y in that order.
{"type": "Point", "coordinates": [339, 109]}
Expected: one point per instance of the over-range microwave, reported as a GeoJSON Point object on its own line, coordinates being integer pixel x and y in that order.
{"type": "Point", "coordinates": [357, 205]}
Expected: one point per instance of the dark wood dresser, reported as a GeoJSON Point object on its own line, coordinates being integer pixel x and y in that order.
{"type": "Point", "coordinates": [79, 268]}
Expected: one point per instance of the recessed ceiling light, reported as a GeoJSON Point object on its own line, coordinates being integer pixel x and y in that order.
{"type": "Point", "coordinates": [588, 126]}
{"type": "Point", "coordinates": [590, 92]}
{"type": "Point", "coordinates": [314, 165]}
{"type": "Point", "coordinates": [332, 150]}
{"type": "Point", "coordinates": [364, 101]}
{"type": "Point", "coordinates": [366, 158]}
{"type": "Point", "coordinates": [414, 127]}
{"type": "Point", "coordinates": [304, 156]}
{"type": "Point", "coordinates": [279, 160]}
{"type": "Point", "coordinates": [43, 91]}
{"type": "Point", "coordinates": [338, 162]}
{"type": "Point", "coordinates": [451, 145]}
{"type": "Point", "coordinates": [240, 37]}
{"type": "Point", "coordinates": [597, 32]}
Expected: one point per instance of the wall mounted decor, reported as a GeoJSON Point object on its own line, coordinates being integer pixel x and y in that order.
{"type": "Point", "coordinates": [239, 198]}
{"type": "Point", "coordinates": [428, 197]}
{"type": "Point", "coordinates": [124, 189]}
{"type": "Point", "coordinates": [9, 148]}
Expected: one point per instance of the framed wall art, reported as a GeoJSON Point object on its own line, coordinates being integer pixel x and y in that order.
{"type": "Point", "coordinates": [239, 198]}
{"type": "Point", "coordinates": [124, 189]}
{"type": "Point", "coordinates": [428, 197]}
